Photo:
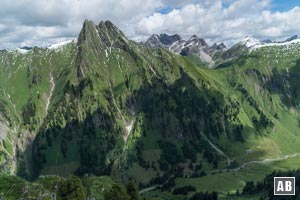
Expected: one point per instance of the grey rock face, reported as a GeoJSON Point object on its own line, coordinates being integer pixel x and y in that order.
{"type": "Point", "coordinates": [217, 47]}
{"type": "Point", "coordinates": [194, 45]}
{"type": "Point", "coordinates": [162, 40]}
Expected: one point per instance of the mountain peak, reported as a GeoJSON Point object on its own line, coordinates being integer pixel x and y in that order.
{"type": "Point", "coordinates": [249, 41]}
{"type": "Point", "coordinates": [162, 40]}
{"type": "Point", "coordinates": [26, 47]}
{"type": "Point", "coordinates": [267, 41]}
{"type": "Point", "coordinates": [87, 21]}
{"type": "Point", "coordinates": [107, 25]}
{"type": "Point", "coordinates": [194, 45]}
{"type": "Point", "coordinates": [218, 47]}
{"type": "Point", "coordinates": [109, 31]}
{"type": "Point", "coordinates": [105, 32]}
{"type": "Point", "coordinates": [97, 38]}
{"type": "Point", "coordinates": [169, 39]}
{"type": "Point", "coordinates": [87, 28]}
{"type": "Point", "coordinates": [196, 41]}
{"type": "Point", "coordinates": [294, 37]}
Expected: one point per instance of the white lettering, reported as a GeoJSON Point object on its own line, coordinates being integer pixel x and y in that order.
{"type": "Point", "coordinates": [280, 186]}
{"type": "Point", "coordinates": [288, 186]}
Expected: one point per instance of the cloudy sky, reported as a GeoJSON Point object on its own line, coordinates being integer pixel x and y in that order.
{"type": "Point", "coordinates": [42, 22]}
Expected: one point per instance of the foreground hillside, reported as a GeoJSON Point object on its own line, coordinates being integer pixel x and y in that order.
{"type": "Point", "coordinates": [54, 187]}
{"type": "Point", "coordinates": [105, 105]}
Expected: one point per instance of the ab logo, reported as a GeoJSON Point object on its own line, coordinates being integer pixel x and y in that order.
{"type": "Point", "coordinates": [284, 185]}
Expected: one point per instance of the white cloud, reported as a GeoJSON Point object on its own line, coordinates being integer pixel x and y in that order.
{"type": "Point", "coordinates": [216, 22]}
{"type": "Point", "coordinates": [40, 22]}
{"type": "Point", "coordinates": [44, 21]}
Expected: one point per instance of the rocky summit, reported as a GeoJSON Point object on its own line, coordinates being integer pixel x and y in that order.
{"type": "Point", "coordinates": [193, 46]}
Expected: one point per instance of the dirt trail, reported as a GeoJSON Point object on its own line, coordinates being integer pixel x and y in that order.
{"type": "Point", "coordinates": [267, 160]}
{"type": "Point", "coordinates": [148, 189]}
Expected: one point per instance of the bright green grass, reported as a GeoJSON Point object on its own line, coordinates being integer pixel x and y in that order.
{"type": "Point", "coordinates": [286, 136]}
{"type": "Point", "coordinates": [230, 182]}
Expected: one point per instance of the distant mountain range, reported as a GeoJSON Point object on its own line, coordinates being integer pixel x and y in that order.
{"type": "Point", "coordinates": [194, 46]}
{"type": "Point", "coordinates": [197, 46]}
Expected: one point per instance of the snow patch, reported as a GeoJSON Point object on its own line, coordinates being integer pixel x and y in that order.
{"type": "Point", "coordinates": [177, 46]}
{"type": "Point", "coordinates": [97, 30]}
{"type": "Point", "coordinates": [106, 53]}
{"type": "Point", "coordinates": [60, 44]}
{"type": "Point", "coordinates": [128, 129]}
{"type": "Point", "coordinates": [253, 43]}
{"type": "Point", "coordinates": [22, 51]}
{"type": "Point", "coordinates": [278, 43]}
{"type": "Point", "coordinates": [19, 50]}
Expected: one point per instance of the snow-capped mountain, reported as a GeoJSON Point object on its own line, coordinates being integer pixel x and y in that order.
{"type": "Point", "coordinates": [253, 43]}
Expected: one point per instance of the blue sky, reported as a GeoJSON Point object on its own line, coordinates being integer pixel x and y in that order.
{"type": "Point", "coordinates": [38, 22]}
{"type": "Point", "coordinates": [276, 5]}
{"type": "Point", "coordinates": [284, 5]}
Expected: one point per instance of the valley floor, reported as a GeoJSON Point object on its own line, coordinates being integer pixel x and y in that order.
{"type": "Point", "coordinates": [230, 181]}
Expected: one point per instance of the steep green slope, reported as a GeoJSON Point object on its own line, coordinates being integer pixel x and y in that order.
{"type": "Point", "coordinates": [105, 105]}
{"type": "Point", "coordinates": [120, 85]}
{"type": "Point", "coordinates": [263, 82]}
{"type": "Point", "coordinates": [25, 93]}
